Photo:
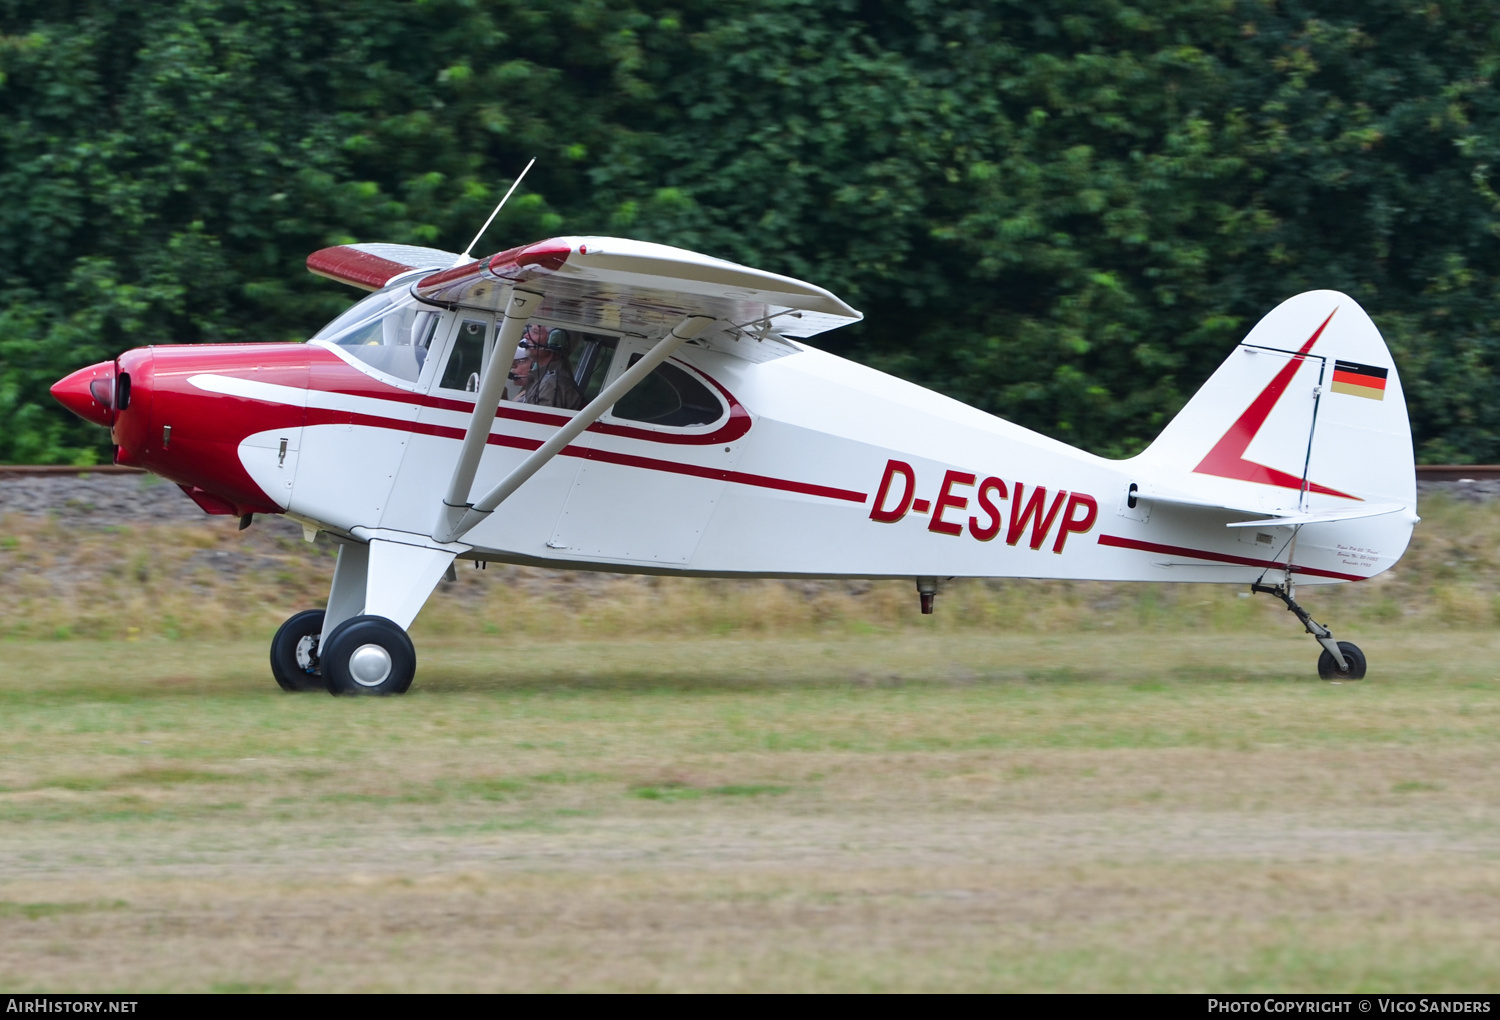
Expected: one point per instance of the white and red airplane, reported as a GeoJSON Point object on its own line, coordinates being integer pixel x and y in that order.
{"type": "Point", "coordinates": [711, 442]}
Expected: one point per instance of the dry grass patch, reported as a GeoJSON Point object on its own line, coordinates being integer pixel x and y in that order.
{"type": "Point", "coordinates": [202, 579]}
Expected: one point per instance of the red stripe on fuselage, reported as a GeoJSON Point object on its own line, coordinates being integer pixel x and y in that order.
{"type": "Point", "coordinates": [323, 416]}
{"type": "Point", "coordinates": [225, 421]}
{"type": "Point", "coordinates": [1203, 554]}
{"type": "Point", "coordinates": [352, 382]}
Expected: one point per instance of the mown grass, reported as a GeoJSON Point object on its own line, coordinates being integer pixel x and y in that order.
{"type": "Point", "coordinates": [889, 812]}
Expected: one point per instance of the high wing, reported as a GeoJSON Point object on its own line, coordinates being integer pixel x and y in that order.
{"type": "Point", "coordinates": [635, 287]}
{"type": "Point", "coordinates": [667, 296]}
{"type": "Point", "coordinates": [372, 266]}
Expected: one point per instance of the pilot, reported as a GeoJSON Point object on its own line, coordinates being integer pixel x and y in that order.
{"type": "Point", "coordinates": [551, 383]}
{"type": "Point", "coordinates": [520, 373]}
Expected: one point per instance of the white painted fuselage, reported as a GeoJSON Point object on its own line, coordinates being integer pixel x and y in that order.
{"type": "Point", "coordinates": [795, 493]}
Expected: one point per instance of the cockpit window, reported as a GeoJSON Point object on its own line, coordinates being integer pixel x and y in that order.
{"type": "Point", "coordinates": [467, 358]}
{"type": "Point", "coordinates": [390, 331]}
{"type": "Point", "coordinates": [669, 396]}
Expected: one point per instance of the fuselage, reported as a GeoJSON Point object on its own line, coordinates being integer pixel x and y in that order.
{"type": "Point", "coordinates": [815, 466]}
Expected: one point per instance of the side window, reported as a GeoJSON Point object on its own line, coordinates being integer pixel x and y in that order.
{"type": "Point", "coordinates": [669, 396]}
{"type": "Point", "coordinates": [593, 366]}
{"type": "Point", "coordinates": [466, 360]}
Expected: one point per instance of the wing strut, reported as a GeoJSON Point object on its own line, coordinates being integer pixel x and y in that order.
{"type": "Point", "coordinates": [680, 334]}
{"type": "Point", "coordinates": [486, 402]}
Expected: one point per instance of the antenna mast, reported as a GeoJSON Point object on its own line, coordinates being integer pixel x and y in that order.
{"type": "Point", "coordinates": [465, 256]}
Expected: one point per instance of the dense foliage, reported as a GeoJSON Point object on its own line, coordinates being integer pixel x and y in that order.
{"type": "Point", "coordinates": [1063, 212]}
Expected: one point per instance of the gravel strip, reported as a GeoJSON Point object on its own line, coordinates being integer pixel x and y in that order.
{"type": "Point", "coordinates": [99, 501]}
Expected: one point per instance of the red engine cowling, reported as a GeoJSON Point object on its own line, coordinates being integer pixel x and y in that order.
{"type": "Point", "coordinates": [161, 420]}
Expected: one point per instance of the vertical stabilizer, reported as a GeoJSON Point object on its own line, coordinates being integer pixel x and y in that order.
{"type": "Point", "coordinates": [1306, 413]}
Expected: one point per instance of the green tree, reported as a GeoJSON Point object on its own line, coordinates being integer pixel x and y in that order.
{"type": "Point", "coordinates": [1064, 213]}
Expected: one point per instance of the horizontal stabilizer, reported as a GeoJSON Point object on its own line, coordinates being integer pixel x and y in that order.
{"type": "Point", "coordinates": [1272, 517]}
{"type": "Point", "coordinates": [1324, 516]}
{"type": "Point", "coordinates": [1154, 494]}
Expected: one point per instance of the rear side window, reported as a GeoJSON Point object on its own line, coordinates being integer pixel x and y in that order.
{"type": "Point", "coordinates": [594, 359]}
{"type": "Point", "coordinates": [669, 396]}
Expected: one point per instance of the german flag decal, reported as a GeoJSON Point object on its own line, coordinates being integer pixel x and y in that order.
{"type": "Point", "coordinates": [1359, 380]}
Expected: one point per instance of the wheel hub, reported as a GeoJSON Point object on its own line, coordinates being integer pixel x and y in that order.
{"type": "Point", "coordinates": [307, 654]}
{"type": "Point", "coordinates": [370, 665]}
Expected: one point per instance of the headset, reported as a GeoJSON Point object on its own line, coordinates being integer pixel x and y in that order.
{"type": "Point", "coordinates": [559, 340]}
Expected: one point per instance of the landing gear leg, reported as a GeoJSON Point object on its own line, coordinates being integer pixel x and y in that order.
{"type": "Point", "coordinates": [1341, 660]}
{"type": "Point", "coordinates": [378, 589]}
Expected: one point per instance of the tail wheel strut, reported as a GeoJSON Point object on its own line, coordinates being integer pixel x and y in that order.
{"type": "Point", "coordinates": [1341, 660]}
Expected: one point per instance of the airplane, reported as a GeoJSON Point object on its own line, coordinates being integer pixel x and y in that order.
{"type": "Point", "coordinates": [706, 438]}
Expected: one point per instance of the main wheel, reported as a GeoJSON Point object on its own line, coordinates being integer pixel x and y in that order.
{"type": "Point", "coordinates": [1328, 668]}
{"type": "Point", "coordinates": [294, 653]}
{"type": "Point", "coordinates": [368, 655]}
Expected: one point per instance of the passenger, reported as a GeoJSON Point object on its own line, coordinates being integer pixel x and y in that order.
{"type": "Point", "coordinates": [520, 373]}
{"type": "Point", "coordinates": [551, 382]}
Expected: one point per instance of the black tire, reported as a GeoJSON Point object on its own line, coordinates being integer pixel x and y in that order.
{"type": "Point", "coordinates": [1328, 669]}
{"type": "Point", "coordinates": [294, 658]}
{"type": "Point", "coordinates": [368, 655]}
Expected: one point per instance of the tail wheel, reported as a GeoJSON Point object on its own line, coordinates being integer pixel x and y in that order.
{"type": "Point", "coordinates": [368, 655]}
{"type": "Point", "coordinates": [294, 653]}
{"type": "Point", "coordinates": [1328, 669]}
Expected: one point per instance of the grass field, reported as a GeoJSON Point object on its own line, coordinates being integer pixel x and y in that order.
{"type": "Point", "coordinates": [1164, 809]}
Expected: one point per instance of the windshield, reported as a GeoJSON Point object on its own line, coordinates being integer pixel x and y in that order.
{"type": "Point", "coordinates": [389, 331]}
